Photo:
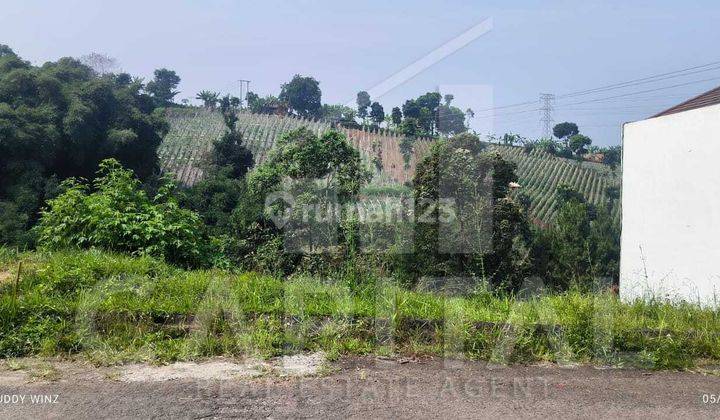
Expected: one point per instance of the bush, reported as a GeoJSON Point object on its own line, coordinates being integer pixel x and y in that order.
{"type": "Point", "coordinates": [119, 216]}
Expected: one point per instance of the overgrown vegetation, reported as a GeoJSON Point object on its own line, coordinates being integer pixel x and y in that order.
{"type": "Point", "coordinates": [114, 308]}
{"type": "Point", "coordinates": [290, 205]}
{"type": "Point", "coordinates": [117, 215]}
{"type": "Point", "coordinates": [60, 120]}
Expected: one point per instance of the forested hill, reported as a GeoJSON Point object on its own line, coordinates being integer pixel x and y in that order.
{"type": "Point", "coordinates": [193, 131]}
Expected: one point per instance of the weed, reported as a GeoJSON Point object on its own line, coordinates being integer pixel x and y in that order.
{"type": "Point", "coordinates": [114, 309]}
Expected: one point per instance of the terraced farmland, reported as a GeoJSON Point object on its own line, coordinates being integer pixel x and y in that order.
{"type": "Point", "coordinates": [187, 144]}
{"type": "Point", "coordinates": [192, 132]}
{"type": "Point", "coordinates": [540, 174]}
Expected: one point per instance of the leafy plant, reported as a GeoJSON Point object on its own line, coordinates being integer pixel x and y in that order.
{"type": "Point", "coordinates": [119, 216]}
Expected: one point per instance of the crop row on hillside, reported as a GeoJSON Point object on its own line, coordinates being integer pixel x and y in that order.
{"type": "Point", "coordinates": [261, 131]}
{"type": "Point", "coordinates": [192, 132]}
{"type": "Point", "coordinates": [540, 174]}
{"type": "Point", "coordinates": [185, 148]}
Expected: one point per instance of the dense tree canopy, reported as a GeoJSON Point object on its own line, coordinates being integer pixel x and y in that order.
{"type": "Point", "coordinates": [451, 120]}
{"type": "Point", "coordinates": [303, 96]}
{"type": "Point", "coordinates": [612, 156]}
{"type": "Point", "coordinates": [60, 120]}
{"type": "Point", "coordinates": [363, 102]}
{"type": "Point", "coordinates": [162, 86]}
{"type": "Point", "coordinates": [424, 110]}
{"type": "Point", "coordinates": [377, 113]}
{"type": "Point", "coordinates": [301, 154]}
{"type": "Point", "coordinates": [578, 143]}
{"type": "Point", "coordinates": [582, 248]}
{"type": "Point", "coordinates": [396, 116]}
{"type": "Point", "coordinates": [338, 113]}
{"type": "Point", "coordinates": [565, 130]}
{"type": "Point", "coordinates": [469, 226]}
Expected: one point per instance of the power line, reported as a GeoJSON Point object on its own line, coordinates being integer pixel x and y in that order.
{"type": "Point", "coordinates": [630, 83]}
{"type": "Point", "coordinates": [644, 80]}
{"type": "Point", "coordinates": [508, 106]}
{"type": "Point", "coordinates": [644, 91]}
{"type": "Point", "coordinates": [509, 113]}
{"type": "Point", "coordinates": [605, 99]}
{"type": "Point", "coordinates": [564, 107]}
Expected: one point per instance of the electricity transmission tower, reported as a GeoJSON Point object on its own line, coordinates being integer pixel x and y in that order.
{"type": "Point", "coordinates": [547, 111]}
{"type": "Point", "coordinates": [246, 85]}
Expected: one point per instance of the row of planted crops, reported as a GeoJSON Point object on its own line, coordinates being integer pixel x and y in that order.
{"type": "Point", "coordinates": [193, 131]}
{"type": "Point", "coordinates": [541, 173]}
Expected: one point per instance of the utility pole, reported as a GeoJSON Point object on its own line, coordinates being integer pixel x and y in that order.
{"type": "Point", "coordinates": [547, 114]}
{"type": "Point", "coordinates": [246, 83]}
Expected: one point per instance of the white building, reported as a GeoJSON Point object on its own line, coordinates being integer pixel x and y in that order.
{"type": "Point", "coordinates": [671, 204]}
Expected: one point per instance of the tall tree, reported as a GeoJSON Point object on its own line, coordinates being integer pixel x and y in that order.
{"type": "Point", "coordinates": [396, 117]}
{"type": "Point", "coordinates": [484, 233]}
{"type": "Point", "coordinates": [303, 96]}
{"type": "Point", "coordinates": [565, 130]}
{"type": "Point", "coordinates": [301, 158]}
{"type": "Point", "coordinates": [451, 120]}
{"type": "Point", "coordinates": [163, 85]}
{"type": "Point", "coordinates": [584, 243]}
{"type": "Point", "coordinates": [410, 127]}
{"type": "Point", "coordinates": [424, 110]}
{"type": "Point", "coordinates": [612, 156]}
{"type": "Point", "coordinates": [377, 113]}
{"type": "Point", "coordinates": [363, 102]}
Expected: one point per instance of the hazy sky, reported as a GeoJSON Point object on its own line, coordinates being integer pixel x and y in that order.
{"type": "Point", "coordinates": [535, 46]}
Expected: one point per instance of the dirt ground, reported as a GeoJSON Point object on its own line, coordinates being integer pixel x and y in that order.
{"type": "Point", "coordinates": [350, 388]}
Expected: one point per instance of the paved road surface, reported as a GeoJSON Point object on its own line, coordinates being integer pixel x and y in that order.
{"type": "Point", "coordinates": [370, 388]}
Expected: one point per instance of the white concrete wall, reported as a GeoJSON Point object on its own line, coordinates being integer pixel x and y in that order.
{"type": "Point", "coordinates": [671, 207]}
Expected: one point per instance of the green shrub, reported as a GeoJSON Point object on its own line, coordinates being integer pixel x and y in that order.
{"type": "Point", "coordinates": [119, 216]}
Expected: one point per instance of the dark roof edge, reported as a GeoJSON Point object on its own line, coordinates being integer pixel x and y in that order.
{"type": "Point", "coordinates": [713, 98]}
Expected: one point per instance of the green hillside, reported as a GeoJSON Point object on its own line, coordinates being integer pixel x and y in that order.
{"type": "Point", "coordinates": [193, 131]}
{"type": "Point", "coordinates": [540, 174]}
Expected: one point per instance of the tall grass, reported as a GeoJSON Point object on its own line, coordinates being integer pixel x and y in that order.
{"type": "Point", "coordinates": [113, 308]}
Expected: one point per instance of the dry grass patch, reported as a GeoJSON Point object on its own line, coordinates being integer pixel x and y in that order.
{"type": "Point", "coordinates": [6, 277]}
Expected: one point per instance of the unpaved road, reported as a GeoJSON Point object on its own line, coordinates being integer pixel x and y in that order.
{"type": "Point", "coordinates": [364, 388]}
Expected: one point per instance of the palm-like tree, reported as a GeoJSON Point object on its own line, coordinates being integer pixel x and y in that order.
{"type": "Point", "coordinates": [209, 99]}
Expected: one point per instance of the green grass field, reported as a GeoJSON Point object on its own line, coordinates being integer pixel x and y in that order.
{"type": "Point", "coordinates": [112, 308]}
